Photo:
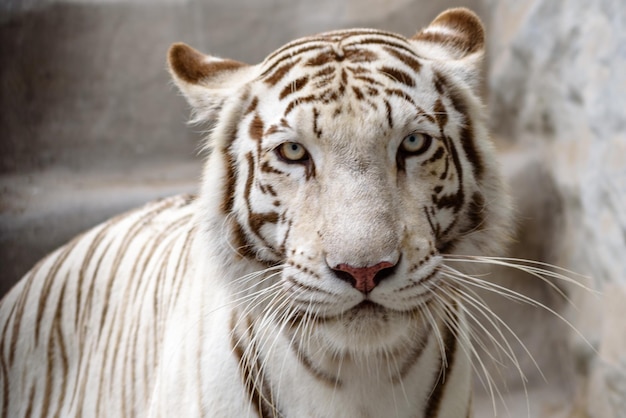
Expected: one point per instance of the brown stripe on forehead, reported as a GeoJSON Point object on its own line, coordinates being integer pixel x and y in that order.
{"type": "Point", "coordinates": [303, 45]}
{"type": "Point", "coordinates": [372, 32]}
{"type": "Point", "coordinates": [385, 42]}
{"type": "Point", "coordinates": [291, 55]}
{"type": "Point", "coordinates": [357, 55]}
{"type": "Point", "coordinates": [316, 40]}
{"type": "Point", "coordinates": [326, 38]}
{"type": "Point", "coordinates": [326, 71]}
{"type": "Point", "coordinates": [293, 87]}
{"type": "Point", "coordinates": [401, 94]}
{"type": "Point", "coordinates": [279, 73]}
{"type": "Point", "coordinates": [326, 97]}
{"type": "Point", "coordinates": [422, 113]}
{"type": "Point", "coordinates": [397, 75]}
{"type": "Point", "coordinates": [323, 58]}
{"type": "Point", "coordinates": [368, 80]}
{"type": "Point", "coordinates": [358, 93]}
{"type": "Point", "coordinates": [410, 60]}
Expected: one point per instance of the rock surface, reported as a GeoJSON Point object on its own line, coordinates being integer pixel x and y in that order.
{"type": "Point", "coordinates": [557, 82]}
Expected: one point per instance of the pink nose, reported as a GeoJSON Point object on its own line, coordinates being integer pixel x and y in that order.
{"type": "Point", "coordinates": [363, 279]}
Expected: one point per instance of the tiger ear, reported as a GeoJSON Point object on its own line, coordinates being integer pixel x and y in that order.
{"type": "Point", "coordinates": [456, 34]}
{"type": "Point", "coordinates": [205, 81]}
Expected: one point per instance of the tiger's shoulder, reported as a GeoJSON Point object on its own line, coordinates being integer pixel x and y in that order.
{"type": "Point", "coordinates": [118, 278]}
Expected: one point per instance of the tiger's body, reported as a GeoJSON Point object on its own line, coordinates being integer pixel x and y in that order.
{"type": "Point", "coordinates": [308, 277]}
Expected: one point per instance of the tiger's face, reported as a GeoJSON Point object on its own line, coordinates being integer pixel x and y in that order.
{"type": "Point", "coordinates": [348, 164]}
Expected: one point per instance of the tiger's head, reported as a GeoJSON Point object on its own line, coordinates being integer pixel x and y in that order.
{"type": "Point", "coordinates": [346, 166]}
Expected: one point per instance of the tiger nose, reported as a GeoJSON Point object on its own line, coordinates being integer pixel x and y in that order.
{"type": "Point", "coordinates": [364, 279]}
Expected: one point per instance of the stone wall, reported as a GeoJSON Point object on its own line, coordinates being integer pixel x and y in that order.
{"type": "Point", "coordinates": [557, 83]}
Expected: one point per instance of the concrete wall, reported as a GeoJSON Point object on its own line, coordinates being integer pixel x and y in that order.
{"type": "Point", "coordinates": [558, 94]}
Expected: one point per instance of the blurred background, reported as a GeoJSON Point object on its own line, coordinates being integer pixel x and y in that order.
{"type": "Point", "coordinates": [90, 126]}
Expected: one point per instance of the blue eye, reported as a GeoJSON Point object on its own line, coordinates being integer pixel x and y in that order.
{"type": "Point", "coordinates": [415, 143]}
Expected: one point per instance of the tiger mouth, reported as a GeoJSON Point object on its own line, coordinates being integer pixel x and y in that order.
{"type": "Point", "coordinates": [367, 310]}
{"type": "Point", "coordinates": [369, 307]}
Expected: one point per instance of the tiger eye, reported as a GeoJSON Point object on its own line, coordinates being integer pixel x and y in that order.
{"type": "Point", "coordinates": [415, 144]}
{"type": "Point", "coordinates": [292, 152]}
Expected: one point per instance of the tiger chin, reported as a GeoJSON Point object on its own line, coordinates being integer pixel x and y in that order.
{"type": "Point", "coordinates": [309, 277]}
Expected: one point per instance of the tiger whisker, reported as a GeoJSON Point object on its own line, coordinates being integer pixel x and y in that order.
{"type": "Point", "coordinates": [466, 281]}
{"type": "Point", "coordinates": [488, 315]}
{"type": "Point", "coordinates": [265, 323]}
{"type": "Point", "coordinates": [516, 296]}
{"type": "Point", "coordinates": [508, 351]}
{"type": "Point", "coordinates": [530, 267]}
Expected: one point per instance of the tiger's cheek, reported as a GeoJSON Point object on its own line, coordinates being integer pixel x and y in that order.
{"type": "Point", "coordinates": [435, 194]}
{"type": "Point", "coordinates": [277, 204]}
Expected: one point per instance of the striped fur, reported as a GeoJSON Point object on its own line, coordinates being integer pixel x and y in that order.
{"type": "Point", "coordinates": [306, 279]}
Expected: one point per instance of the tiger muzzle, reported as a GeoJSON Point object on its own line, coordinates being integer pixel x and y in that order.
{"type": "Point", "coordinates": [364, 279]}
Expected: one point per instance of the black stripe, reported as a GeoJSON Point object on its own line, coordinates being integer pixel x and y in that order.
{"type": "Point", "coordinates": [414, 354]}
{"type": "Point", "coordinates": [132, 232]}
{"type": "Point", "coordinates": [250, 369]}
{"type": "Point", "coordinates": [278, 74]}
{"type": "Point", "coordinates": [400, 93]}
{"type": "Point", "coordinates": [4, 368]}
{"type": "Point", "coordinates": [326, 378]}
{"type": "Point", "coordinates": [382, 41]}
{"type": "Point", "coordinates": [398, 76]}
{"type": "Point", "coordinates": [58, 332]}
{"type": "Point", "coordinates": [21, 306]}
{"type": "Point", "coordinates": [450, 348]}
{"type": "Point", "coordinates": [293, 87]}
{"type": "Point", "coordinates": [389, 114]}
{"type": "Point", "coordinates": [319, 43]}
{"type": "Point", "coordinates": [44, 294]}
{"type": "Point", "coordinates": [467, 132]}
{"type": "Point", "coordinates": [95, 243]}
{"type": "Point", "coordinates": [31, 399]}
{"type": "Point", "coordinates": [410, 60]}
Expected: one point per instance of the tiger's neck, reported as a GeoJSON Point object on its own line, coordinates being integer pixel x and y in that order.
{"type": "Point", "coordinates": [285, 373]}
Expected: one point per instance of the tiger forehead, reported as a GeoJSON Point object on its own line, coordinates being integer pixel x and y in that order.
{"type": "Point", "coordinates": [352, 49]}
{"type": "Point", "coordinates": [337, 40]}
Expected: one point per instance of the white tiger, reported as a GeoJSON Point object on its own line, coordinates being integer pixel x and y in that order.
{"type": "Point", "coordinates": [309, 277]}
